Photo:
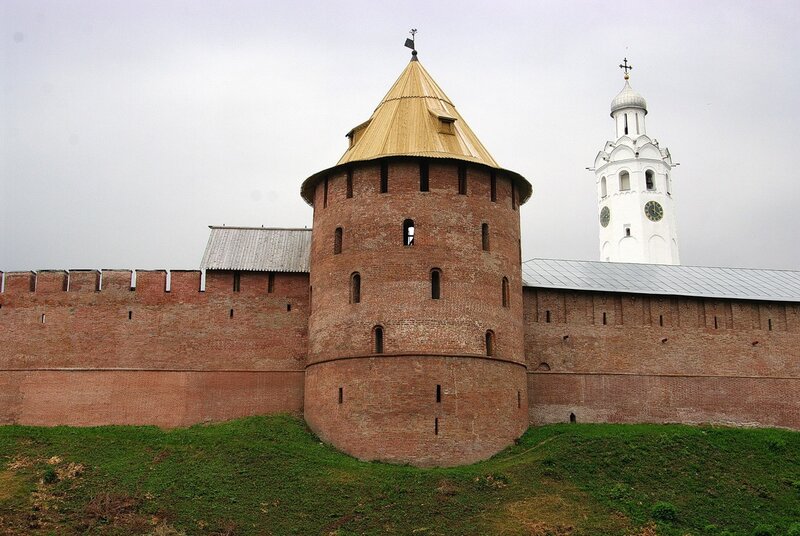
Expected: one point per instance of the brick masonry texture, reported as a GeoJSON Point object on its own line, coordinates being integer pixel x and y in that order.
{"type": "Point", "coordinates": [87, 347]}
{"type": "Point", "coordinates": [661, 359]}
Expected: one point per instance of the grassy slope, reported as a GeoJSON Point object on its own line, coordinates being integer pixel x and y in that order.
{"type": "Point", "coordinates": [269, 475]}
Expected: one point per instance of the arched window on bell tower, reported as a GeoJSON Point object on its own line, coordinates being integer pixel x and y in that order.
{"type": "Point", "coordinates": [650, 180]}
{"type": "Point", "coordinates": [624, 181]}
{"type": "Point", "coordinates": [603, 187]}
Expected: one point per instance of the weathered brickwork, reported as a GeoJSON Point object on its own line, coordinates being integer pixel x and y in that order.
{"type": "Point", "coordinates": [85, 347]}
{"type": "Point", "coordinates": [611, 357]}
{"type": "Point", "coordinates": [395, 293]}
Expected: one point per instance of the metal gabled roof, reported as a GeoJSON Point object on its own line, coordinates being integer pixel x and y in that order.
{"type": "Point", "coordinates": [417, 119]}
{"type": "Point", "coordinates": [257, 249]}
{"type": "Point", "coordinates": [660, 279]}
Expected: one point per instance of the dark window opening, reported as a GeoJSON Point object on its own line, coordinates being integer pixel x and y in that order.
{"type": "Point", "coordinates": [349, 183]}
{"type": "Point", "coordinates": [490, 343]}
{"type": "Point", "coordinates": [43, 318]}
{"type": "Point", "coordinates": [384, 177]}
{"type": "Point", "coordinates": [436, 284]}
{"type": "Point", "coordinates": [626, 123]}
{"type": "Point", "coordinates": [627, 231]}
{"type": "Point", "coordinates": [769, 324]}
{"type": "Point", "coordinates": [519, 399]}
{"type": "Point", "coordinates": [605, 320]}
{"type": "Point", "coordinates": [271, 282]}
{"type": "Point", "coordinates": [543, 366]}
{"type": "Point", "coordinates": [661, 320]}
{"type": "Point", "coordinates": [436, 426]}
{"type": "Point", "coordinates": [547, 316]}
{"type": "Point", "coordinates": [513, 196]}
{"type": "Point", "coordinates": [424, 183]}
{"type": "Point", "coordinates": [649, 179]}
{"type": "Point", "coordinates": [325, 193]}
{"type": "Point", "coordinates": [231, 314]}
{"type": "Point", "coordinates": [493, 187]}
{"type": "Point", "coordinates": [341, 395]}
{"type": "Point", "coordinates": [485, 236]}
{"type": "Point", "coordinates": [572, 418]}
{"type": "Point", "coordinates": [462, 180]}
{"type": "Point", "coordinates": [130, 315]}
{"type": "Point", "coordinates": [237, 281]}
{"type": "Point", "coordinates": [355, 287]}
{"type": "Point", "coordinates": [377, 334]}
{"type": "Point", "coordinates": [288, 307]}
{"type": "Point", "coordinates": [506, 296]}
{"type": "Point", "coordinates": [716, 325]}
{"type": "Point", "coordinates": [408, 232]}
{"type": "Point", "coordinates": [438, 393]}
{"type": "Point", "coordinates": [337, 241]}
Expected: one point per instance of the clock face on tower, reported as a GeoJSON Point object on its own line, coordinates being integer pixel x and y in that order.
{"type": "Point", "coordinates": [605, 216]}
{"type": "Point", "coordinates": [653, 210]}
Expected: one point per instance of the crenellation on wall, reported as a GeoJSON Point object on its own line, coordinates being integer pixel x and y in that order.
{"type": "Point", "coordinates": [84, 280]}
{"type": "Point", "coordinates": [19, 283]}
{"type": "Point", "coordinates": [116, 281]}
{"type": "Point", "coordinates": [51, 281]}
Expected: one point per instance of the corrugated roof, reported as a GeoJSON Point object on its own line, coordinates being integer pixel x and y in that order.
{"type": "Point", "coordinates": [416, 118]}
{"type": "Point", "coordinates": [257, 249]}
{"type": "Point", "coordinates": [700, 281]}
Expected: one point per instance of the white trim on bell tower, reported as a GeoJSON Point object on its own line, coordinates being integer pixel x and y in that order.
{"type": "Point", "coordinates": [634, 188]}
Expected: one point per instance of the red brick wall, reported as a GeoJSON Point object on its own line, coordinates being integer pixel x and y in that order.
{"type": "Point", "coordinates": [661, 359]}
{"type": "Point", "coordinates": [159, 338]}
{"type": "Point", "coordinates": [396, 294]}
{"type": "Point", "coordinates": [389, 409]}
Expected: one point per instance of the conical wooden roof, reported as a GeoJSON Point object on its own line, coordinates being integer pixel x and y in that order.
{"type": "Point", "coordinates": [415, 119]}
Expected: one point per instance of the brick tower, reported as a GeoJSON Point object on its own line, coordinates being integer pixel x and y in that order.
{"type": "Point", "coordinates": [415, 334]}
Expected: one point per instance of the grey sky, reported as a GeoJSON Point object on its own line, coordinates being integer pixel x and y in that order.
{"type": "Point", "coordinates": [128, 127]}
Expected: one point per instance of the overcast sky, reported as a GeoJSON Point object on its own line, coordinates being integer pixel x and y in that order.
{"type": "Point", "coordinates": [126, 128]}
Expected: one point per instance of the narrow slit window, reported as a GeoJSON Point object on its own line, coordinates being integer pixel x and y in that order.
{"type": "Point", "coordinates": [605, 319]}
{"type": "Point", "coordinates": [325, 193]}
{"type": "Point", "coordinates": [384, 177]}
{"type": "Point", "coordinates": [349, 184]}
{"type": "Point", "coordinates": [661, 320]}
{"type": "Point", "coordinates": [288, 307]}
{"type": "Point", "coordinates": [44, 318]}
{"type": "Point", "coordinates": [506, 297]}
{"type": "Point", "coordinates": [341, 395]}
{"type": "Point", "coordinates": [490, 343]}
{"type": "Point", "coordinates": [485, 236]}
{"type": "Point", "coordinates": [493, 187]}
{"type": "Point", "coordinates": [237, 281]}
{"type": "Point", "coordinates": [424, 181]}
{"type": "Point", "coordinates": [130, 315]}
{"type": "Point", "coordinates": [650, 179]}
{"type": "Point", "coordinates": [436, 284]}
{"type": "Point", "coordinates": [626, 123]}
{"type": "Point", "coordinates": [230, 315]}
{"type": "Point", "coordinates": [716, 324]}
{"type": "Point", "coordinates": [355, 287]}
{"type": "Point", "coordinates": [377, 339]}
{"type": "Point", "coordinates": [337, 241]}
{"type": "Point", "coordinates": [547, 316]}
{"type": "Point", "coordinates": [408, 232]}
{"type": "Point", "coordinates": [624, 181]}
{"type": "Point", "coordinates": [436, 426]}
{"type": "Point", "coordinates": [519, 399]}
{"type": "Point", "coordinates": [438, 393]}
{"type": "Point", "coordinates": [462, 180]}
{"type": "Point", "coordinates": [271, 282]}
{"type": "Point", "coordinates": [513, 196]}
{"type": "Point", "coordinates": [769, 324]}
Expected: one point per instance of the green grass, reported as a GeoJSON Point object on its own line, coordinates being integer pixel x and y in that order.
{"type": "Point", "coordinates": [269, 475]}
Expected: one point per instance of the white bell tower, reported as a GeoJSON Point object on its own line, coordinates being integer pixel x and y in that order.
{"type": "Point", "coordinates": [634, 188]}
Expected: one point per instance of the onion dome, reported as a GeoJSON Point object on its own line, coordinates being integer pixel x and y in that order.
{"type": "Point", "coordinates": [628, 98]}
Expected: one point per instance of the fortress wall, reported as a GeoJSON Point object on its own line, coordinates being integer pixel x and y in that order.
{"type": "Point", "coordinates": [122, 354]}
{"type": "Point", "coordinates": [661, 359]}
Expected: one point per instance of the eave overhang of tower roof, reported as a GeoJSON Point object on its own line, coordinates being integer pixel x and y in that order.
{"type": "Point", "coordinates": [413, 120]}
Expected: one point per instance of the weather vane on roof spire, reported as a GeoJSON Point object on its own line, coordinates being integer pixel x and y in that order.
{"type": "Point", "coordinates": [410, 44]}
{"type": "Point", "coordinates": [626, 67]}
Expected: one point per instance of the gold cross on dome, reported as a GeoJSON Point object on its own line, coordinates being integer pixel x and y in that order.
{"type": "Point", "coordinates": [624, 66]}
